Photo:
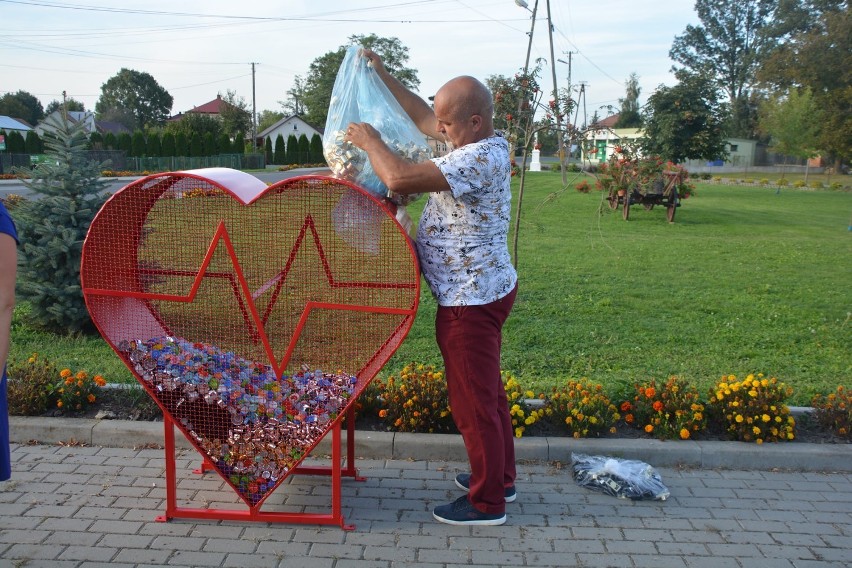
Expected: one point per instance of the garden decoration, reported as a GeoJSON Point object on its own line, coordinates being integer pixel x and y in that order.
{"type": "Point", "coordinates": [648, 181]}
{"type": "Point", "coordinates": [254, 316]}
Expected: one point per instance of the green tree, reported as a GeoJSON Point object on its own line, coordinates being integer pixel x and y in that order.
{"type": "Point", "coordinates": [53, 226]}
{"type": "Point", "coordinates": [33, 143]}
{"type": "Point", "coordinates": [181, 144]}
{"type": "Point", "coordinates": [728, 47]}
{"type": "Point", "coordinates": [168, 148]}
{"type": "Point", "coordinates": [316, 156]}
{"type": "Point", "coordinates": [270, 155]}
{"type": "Point", "coordinates": [814, 53]}
{"type": "Point", "coordinates": [110, 141]}
{"type": "Point", "coordinates": [239, 146]}
{"type": "Point", "coordinates": [685, 121]}
{"type": "Point", "coordinates": [234, 115]}
{"type": "Point", "coordinates": [71, 104]}
{"type": "Point", "coordinates": [193, 122]}
{"type": "Point", "coordinates": [154, 144]}
{"type": "Point", "coordinates": [292, 154]}
{"type": "Point", "coordinates": [140, 94]}
{"type": "Point", "coordinates": [125, 143]}
{"type": "Point", "coordinates": [96, 141]}
{"type": "Point", "coordinates": [630, 114]}
{"type": "Point", "coordinates": [323, 72]}
{"type": "Point", "coordinates": [16, 143]}
{"type": "Point", "coordinates": [223, 145]}
{"type": "Point", "coordinates": [792, 122]}
{"type": "Point", "coordinates": [138, 145]}
{"type": "Point", "coordinates": [196, 145]}
{"type": "Point", "coordinates": [278, 154]}
{"type": "Point", "coordinates": [304, 150]}
{"type": "Point", "coordinates": [23, 105]}
{"type": "Point", "coordinates": [208, 143]}
{"type": "Point", "coordinates": [295, 101]}
{"type": "Point", "coordinates": [267, 118]}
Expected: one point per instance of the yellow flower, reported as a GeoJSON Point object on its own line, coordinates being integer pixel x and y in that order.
{"type": "Point", "coordinates": [752, 393]}
{"type": "Point", "coordinates": [738, 418]}
{"type": "Point", "coordinates": [684, 434]}
{"type": "Point", "coordinates": [765, 418]}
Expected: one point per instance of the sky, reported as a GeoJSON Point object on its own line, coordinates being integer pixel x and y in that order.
{"type": "Point", "coordinates": [196, 50]}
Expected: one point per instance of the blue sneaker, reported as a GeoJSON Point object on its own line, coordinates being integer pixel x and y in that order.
{"type": "Point", "coordinates": [462, 512]}
{"type": "Point", "coordinates": [463, 481]}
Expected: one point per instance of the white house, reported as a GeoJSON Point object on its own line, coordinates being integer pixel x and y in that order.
{"type": "Point", "coordinates": [288, 125]}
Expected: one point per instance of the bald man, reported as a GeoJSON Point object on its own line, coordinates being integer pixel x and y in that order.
{"type": "Point", "coordinates": [463, 252]}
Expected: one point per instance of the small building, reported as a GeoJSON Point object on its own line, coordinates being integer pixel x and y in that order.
{"type": "Point", "coordinates": [293, 124]}
{"type": "Point", "coordinates": [87, 117]}
{"type": "Point", "coordinates": [10, 125]}
{"type": "Point", "coordinates": [210, 108]}
{"type": "Point", "coordinates": [602, 137]}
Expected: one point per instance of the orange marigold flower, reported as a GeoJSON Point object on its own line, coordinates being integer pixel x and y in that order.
{"type": "Point", "coordinates": [65, 373]}
{"type": "Point", "coordinates": [628, 418]}
{"type": "Point", "coordinates": [650, 392]}
{"type": "Point", "coordinates": [82, 375]}
{"type": "Point", "coordinates": [383, 413]}
{"type": "Point", "coordinates": [658, 406]}
{"type": "Point", "coordinates": [684, 434]}
{"type": "Point", "coordinates": [91, 398]}
{"type": "Point", "coordinates": [649, 428]}
{"type": "Point", "coordinates": [626, 406]}
{"type": "Point", "coordinates": [100, 381]}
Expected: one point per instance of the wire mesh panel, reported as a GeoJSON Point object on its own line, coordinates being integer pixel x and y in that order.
{"type": "Point", "coordinates": [253, 315]}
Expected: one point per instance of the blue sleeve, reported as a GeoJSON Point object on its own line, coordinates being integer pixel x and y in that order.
{"type": "Point", "coordinates": [7, 225]}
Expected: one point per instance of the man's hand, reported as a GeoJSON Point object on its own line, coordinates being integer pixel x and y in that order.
{"type": "Point", "coordinates": [363, 135]}
{"type": "Point", "coordinates": [375, 60]}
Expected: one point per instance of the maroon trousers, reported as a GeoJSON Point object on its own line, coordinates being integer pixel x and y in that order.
{"type": "Point", "coordinates": [470, 338]}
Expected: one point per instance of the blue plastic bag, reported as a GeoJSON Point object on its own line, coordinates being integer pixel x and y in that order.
{"type": "Point", "coordinates": [359, 95]}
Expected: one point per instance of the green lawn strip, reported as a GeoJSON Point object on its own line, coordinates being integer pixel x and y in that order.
{"type": "Point", "coordinates": [747, 279]}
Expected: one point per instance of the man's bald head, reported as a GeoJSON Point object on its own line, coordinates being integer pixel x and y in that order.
{"type": "Point", "coordinates": [466, 96]}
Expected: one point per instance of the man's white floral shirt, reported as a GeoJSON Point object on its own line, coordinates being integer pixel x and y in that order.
{"type": "Point", "coordinates": [462, 235]}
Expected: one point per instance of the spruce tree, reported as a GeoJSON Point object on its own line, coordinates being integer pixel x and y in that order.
{"type": "Point", "coordinates": [96, 141]}
{"type": "Point", "coordinates": [138, 145]}
{"type": "Point", "coordinates": [110, 141]}
{"type": "Point", "coordinates": [154, 145]}
{"type": "Point", "coordinates": [279, 154]}
{"type": "Point", "coordinates": [33, 143]}
{"type": "Point", "coordinates": [196, 147]}
{"type": "Point", "coordinates": [304, 150]}
{"type": "Point", "coordinates": [208, 144]}
{"type": "Point", "coordinates": [224, 145]}
{"type": "Point", "coordinates": [125, 143]}
{"type": "Point", "coordinates": [52, 227]}
{"type": "Point", "coordinates": [181, 145]}
{"type": "Point", "coordinates": [240, 143]}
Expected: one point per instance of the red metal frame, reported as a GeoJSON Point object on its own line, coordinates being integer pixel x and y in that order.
{"type": "Point", "coordinates": [253, 513]}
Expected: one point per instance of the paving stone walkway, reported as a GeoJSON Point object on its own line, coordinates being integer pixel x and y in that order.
{"type": "Point", "coordinates": [85, 506]}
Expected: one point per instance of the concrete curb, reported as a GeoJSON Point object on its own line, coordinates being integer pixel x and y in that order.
{"type": "Point", "coordinates": [391, 445]}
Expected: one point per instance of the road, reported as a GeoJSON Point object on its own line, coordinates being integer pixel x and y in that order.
{"type": "Point", "coordinates": [8, 187]}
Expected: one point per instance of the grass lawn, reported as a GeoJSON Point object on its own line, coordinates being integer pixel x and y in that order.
{"type": "Point", "coordinates": [747, 279]}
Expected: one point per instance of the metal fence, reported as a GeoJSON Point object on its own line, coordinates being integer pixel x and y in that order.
{"type": "Point", "coordinates": [117, 161]}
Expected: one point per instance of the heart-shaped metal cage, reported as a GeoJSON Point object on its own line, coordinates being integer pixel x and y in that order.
{"type": "Point", "coordinates": [253, 315]}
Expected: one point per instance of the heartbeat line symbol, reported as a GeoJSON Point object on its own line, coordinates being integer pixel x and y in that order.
{"type": "Point", "coordinates": [245, 297]}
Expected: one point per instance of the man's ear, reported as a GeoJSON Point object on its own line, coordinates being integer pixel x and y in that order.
{"type": "Point", "coordinates": [476, 122]}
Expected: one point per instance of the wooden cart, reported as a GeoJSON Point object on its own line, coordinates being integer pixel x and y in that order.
{"type": "Point", "coordinates": [662, 191]}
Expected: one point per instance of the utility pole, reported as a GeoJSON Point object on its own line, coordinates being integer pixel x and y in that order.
{"type": "Point", "coordinates": [559, 134]}
{"type": "Point", "coordinates": [253, 112]}
{"type": "Point", "coordinates": [64, 107]}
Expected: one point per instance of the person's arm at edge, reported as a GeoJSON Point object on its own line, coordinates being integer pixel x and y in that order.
{"type": "Point", "coordinates": [417, 109]}
{"type": "Point", "coordinates": [8, 274]}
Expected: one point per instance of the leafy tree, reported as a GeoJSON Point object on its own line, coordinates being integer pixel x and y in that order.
{"type": "Point", "coordinates": [316, 156]}
{"type": "Point", "coordinates": [33, 143]}
{"type": "Point", "coordinates": [728, 48]}
{"type": "Point", "coordinates": [270, 156]}
{"type": "Point", "coordinates": [234, 115]}
{"type": "Point", "coordinates": [196, 145]}
{"type": "Point", "coordinates": [71, 104]}
{"type": "Point", "coordinates": [292, 154]}
{"type": "Point", "coordinates": [278, 155]}
{"type": "Point", "coordinates": [181, 144]}
{"type": "Point", "coordinates": [814, 52]}
{"type": "Point", "coordinates": [507, 94]}
{"type": "Point", "coordinates": [792, 123]}
{"type": "Point", "coordinates": [23, 105]}
{"type": "Point", "coordinates": [295, 101]}
{"type": "Point", "coordinates": [193, 122]}
{"type": "Point", "coordinates": [323, 71]}
{"type": "Point", "coordinates": [138, 145]}
{"type": "Point", "coordinates": [139, 93]}
{"type": "Point", "coordinates": [629, 116]}
{"type": "Point", "coordinates": [685, 121]}
{"type": "Point", "coordinates": [267, 118]}
{"type": "Point", "coordinates": [52, 229]}
{"type": "Point", "coordinates": [168, 145]}
{"type": "Point", "coordinates": [154, 144]}
{"type": "Point", "coordinates": [15, 143]}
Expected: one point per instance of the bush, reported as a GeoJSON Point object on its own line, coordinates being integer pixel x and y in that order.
{"type": "Point", "coordinates": [764, 181]}
{"type": "Point", "coordinates": [30, 386]}
{"type": "Point", "coordinates": [76, 392]}
{"type": "Point", "coordinates": [834, 412]}
{"type": "Point", "coordinates": [798, 183]}
{"type": "Point", "coordinates": [522, 413]}
{"type": "Point", "coordinates": [583, 408]}
{"type": "Point", "coordinates": [753, 410]}
{"type": "Point", "coordinates": [705, 176]}
{"type": "Point", "coordinates": [816, 185]}
{"type": "Point", "coordinates": [782, 182]}
{"type": "Point", "coordinates": [583, 187]}
{"type": "Point", "coordinates": [416, 401]}
{"type": "Point", "coordinates": [669, 412]}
